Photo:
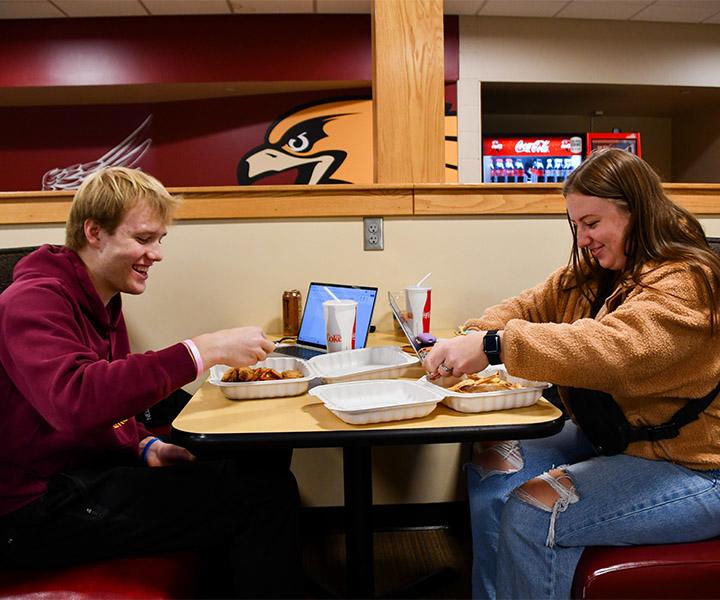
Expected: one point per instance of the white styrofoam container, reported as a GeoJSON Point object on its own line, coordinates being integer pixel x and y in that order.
{"type": "Point", "coordinates": [486, 401]}
{"type": "Point", "coordinates": [382, 362]}
{"type": "Point", "coordinates": [247, 390]}
{"type": "Point", "coordinates": [378, 400]}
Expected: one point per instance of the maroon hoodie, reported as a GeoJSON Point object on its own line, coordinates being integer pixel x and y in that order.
{"type": "Point", "coordinates": [69, 386]}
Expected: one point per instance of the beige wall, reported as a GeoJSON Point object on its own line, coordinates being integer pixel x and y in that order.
{"type": "Point", "coordinates": [589, 51]}
{"type": "Point", "coordinates": [219, 274]}
{"type": "Point", "coordinates": [593, 51]}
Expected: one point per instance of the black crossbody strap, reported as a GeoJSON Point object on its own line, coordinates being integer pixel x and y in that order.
{"type": "Point", "coordinates": [670, 429]}
{"type": "Point", "coordinates": [682, 417]}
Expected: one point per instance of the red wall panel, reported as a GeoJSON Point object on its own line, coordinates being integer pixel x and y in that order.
{"type": "Point", "coordinates": [142, 50]}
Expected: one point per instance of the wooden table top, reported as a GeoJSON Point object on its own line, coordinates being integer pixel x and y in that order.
{"type": "Point", "coordinates": [210, 412]}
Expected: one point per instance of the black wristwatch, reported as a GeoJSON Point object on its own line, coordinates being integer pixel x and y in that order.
{"type": "Point", "coordinates": [491, 347]}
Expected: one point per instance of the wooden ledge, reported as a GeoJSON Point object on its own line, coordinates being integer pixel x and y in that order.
{"type": "Point", "coordinates": [323, 201]}
{"type": "Point", "coordinates": [293, 201]}
{"type": "Point", "coordinates": [489, 199]}
{"type": "Point", "coordinates": [538, 198]}
{"type": "Point", "coordinates": [234, 202]}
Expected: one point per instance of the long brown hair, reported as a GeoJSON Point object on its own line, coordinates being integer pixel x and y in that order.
{"type": "Point", "coordinates": [659, 230]}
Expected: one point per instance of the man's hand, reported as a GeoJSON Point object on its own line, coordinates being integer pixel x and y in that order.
{"type": "Point", "coordinates": [237, 347]}
{"type": "Point", "coordinates": [161, 454]}
{"type": "Point", "coordinates": [456, 356]}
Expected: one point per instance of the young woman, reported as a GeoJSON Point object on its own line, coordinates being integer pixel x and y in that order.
{"type": "Point", "coordinates": [630, 326]}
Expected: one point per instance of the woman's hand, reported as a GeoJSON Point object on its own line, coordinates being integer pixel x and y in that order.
{"type": "Point", "coordinates": [456, 356]}
{"type": "Point", "coordinates": [160, 454]}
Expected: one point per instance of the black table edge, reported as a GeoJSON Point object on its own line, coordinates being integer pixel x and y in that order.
{"type": "Point", "coordinates": [365, 437]}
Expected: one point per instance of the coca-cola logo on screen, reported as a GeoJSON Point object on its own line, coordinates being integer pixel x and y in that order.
{"type": "Point", "coordinates": [532, 147]}
{"type": "Point", "coordinates": [496, 145]}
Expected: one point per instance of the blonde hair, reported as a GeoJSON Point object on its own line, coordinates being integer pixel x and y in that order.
{"type": "Point", "coordinates": [107, 195]}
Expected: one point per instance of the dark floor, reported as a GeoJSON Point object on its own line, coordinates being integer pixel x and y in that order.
{"type": "Point", "coordinates": [422, 562]}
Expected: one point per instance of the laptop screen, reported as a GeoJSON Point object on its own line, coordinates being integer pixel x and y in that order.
{"type": "Point", "coordinates": [312, 328]}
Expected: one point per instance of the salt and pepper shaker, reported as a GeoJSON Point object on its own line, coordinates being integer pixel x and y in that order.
{"type": "Point", "coordinates": [291, 312]}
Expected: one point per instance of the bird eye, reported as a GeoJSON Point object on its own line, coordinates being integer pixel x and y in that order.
{"type": "Point", "coordinates": [299, 143]}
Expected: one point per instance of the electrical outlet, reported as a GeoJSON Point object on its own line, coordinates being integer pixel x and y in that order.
{"type": "Point", "coordinates": [373, 233]}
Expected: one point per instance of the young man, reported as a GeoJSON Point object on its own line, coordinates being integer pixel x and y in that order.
{"type": "Point", "coordinates": [76, 469]}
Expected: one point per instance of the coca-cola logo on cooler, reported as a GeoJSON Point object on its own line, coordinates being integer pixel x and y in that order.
{"type": "Point", "coordinates": [533, 147]}
{"type": "Point", "coordinates": [496, 145]}
{"type": "Point", "coordinates": [565, 144]}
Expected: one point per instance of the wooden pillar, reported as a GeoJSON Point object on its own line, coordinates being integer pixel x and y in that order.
{"type": "Point", "coordinates": [408, 91]}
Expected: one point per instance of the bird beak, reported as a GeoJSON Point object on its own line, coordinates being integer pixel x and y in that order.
{"type": "Point", "coordinates": [269, 160]}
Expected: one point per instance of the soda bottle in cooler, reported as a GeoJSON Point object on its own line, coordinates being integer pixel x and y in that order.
{"type": "Point", "coordinates": [568, 167]}
{"type": "Point", "coordinates": [533, 172]}
{"type": "Point", "coordinates": [509, 170]}
{"type": "Point", "coordinates": [500, 168]}
{"type": "Point", "coordinates": [493, 171]}
{"type": "Point", "coordinates": [519, 171]}
{"type": "Point", "coordinates": [559, 173]}
{"type": "Point", "coordinates": [549, 170]}
{"type": "Point", "coordinates": [540, 170]}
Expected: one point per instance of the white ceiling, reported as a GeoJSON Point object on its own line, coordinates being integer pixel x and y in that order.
{"type": "Point", "coordinates": [674, 11]}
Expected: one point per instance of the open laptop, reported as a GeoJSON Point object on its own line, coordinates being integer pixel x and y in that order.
{"type": "Point", "coordinates": [311, 336]}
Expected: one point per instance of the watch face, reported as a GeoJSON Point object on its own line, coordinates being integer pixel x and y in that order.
{"type": "Point", "coordinates": [491, 346]}
{"type": "Point", "coordinates": [491, 343]}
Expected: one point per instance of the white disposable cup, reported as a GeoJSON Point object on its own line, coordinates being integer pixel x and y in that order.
{"type": "Point", "coordinates": [340, 321]}
{"type": "Point", "coordinates": [417, 304]}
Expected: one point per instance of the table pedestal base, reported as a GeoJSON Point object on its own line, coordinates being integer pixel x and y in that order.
{"type": "Point", "coordinates": [357, 465]}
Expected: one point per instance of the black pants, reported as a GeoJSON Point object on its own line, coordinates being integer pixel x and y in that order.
{"type": "Point", "coordinates": [242, 517]}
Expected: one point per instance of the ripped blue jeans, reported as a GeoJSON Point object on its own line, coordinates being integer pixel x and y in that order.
{"type": "Point", "coordinates": [525, 548]}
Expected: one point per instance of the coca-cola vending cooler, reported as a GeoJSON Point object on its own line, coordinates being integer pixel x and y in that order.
{"type": "Point", "coordinates": [629, 141]}
{"type": "Point", "coordinates": [531, 158]}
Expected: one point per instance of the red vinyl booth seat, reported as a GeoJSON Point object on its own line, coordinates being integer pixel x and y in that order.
{"type": "Point", "coordinates": [689, 570]}
{"type": "Point", "coordinates": [149, 577]}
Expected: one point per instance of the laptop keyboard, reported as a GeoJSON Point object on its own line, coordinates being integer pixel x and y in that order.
{"type": "Point", "coordinates": [298, 351]}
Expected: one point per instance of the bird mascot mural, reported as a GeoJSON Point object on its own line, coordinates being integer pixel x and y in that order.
{"type": "Point", "coordinates": [330, 141]}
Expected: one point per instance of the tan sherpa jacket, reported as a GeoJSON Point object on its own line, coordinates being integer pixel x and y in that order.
{"type": "Point", "coordinates": [649, 346]}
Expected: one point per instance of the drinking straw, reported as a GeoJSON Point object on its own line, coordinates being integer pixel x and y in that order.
{"type": "Point", "coordinates": [334, 297]}
{"type": "Point", "coordinates": [419, 283]}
